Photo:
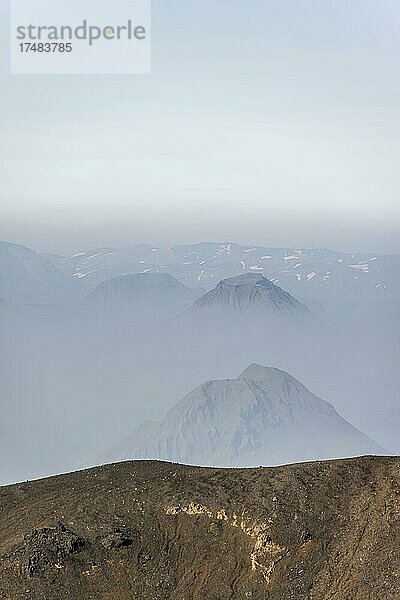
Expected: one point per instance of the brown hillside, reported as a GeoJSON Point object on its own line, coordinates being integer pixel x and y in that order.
{"type": "Point", "coordinates": [150, 530]}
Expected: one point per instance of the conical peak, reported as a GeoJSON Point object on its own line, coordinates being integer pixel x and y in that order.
{"type": "Point", "coordinates": [258, 372]}
{"type": "Point", "coordinates": [247, 279]}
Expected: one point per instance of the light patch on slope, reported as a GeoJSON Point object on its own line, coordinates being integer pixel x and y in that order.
{"type": "Point", "coordinates": [80, 275]}
{"type": "Point", "coordinates": [360, 267]}
{"type": "Point", "coordinates": [265, 553]}
{"type": "Point", "coordinates": [94, 255]}
{"type": "Point", "coordinates": [255, 268]}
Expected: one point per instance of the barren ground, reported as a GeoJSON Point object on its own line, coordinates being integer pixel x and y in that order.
{"type": "Point", "coordinates": [151, 530]}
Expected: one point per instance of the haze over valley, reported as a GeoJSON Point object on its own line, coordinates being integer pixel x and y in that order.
{"type": "Point", "coordinates": [96, 343]}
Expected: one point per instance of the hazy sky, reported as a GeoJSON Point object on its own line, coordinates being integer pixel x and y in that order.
{"type": "Point", "coordinates": [268, 121]}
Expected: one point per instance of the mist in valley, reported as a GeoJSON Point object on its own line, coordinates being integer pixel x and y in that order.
{"type": "Point", "coordinates": [77, 378]}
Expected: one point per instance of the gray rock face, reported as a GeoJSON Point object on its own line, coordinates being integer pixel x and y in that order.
{"type": "Point", "coordinates": [251, 293]}
{"type": "Point", "coordinates": [263, 417]}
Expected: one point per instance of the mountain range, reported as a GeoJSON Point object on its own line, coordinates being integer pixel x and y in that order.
{"type": "Point", "coordinates": [317, 275]}
{"type": "Point", "coordinates": [146, 296]}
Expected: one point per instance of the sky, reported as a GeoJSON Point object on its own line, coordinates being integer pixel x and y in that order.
{"type": "Point", "coordinates": [271, 122]}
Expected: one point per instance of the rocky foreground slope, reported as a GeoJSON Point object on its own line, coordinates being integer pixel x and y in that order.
{"type": "Point", "coordinates": [150, 530]}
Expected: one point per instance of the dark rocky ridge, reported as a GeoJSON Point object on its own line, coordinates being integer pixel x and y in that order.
{"type": "Point", "coordinates": [149, 530]}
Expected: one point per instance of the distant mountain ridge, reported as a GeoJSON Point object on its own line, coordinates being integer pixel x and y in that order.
{"type": "Point", "coordinates": [321, 275]}
{"type": "Point", "coordinates": [305, 272]}
{"type": "Point", "coordinates": [263, 417]}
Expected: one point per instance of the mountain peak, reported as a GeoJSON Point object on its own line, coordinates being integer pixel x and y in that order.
{"type": "Point", "coordinates": [250, 279]}
{"type": "Point", "coordinates": [264, 416]}
{"type": "Point", "coordinates": [258, 372]}
{"type": "Point", "coordinates": [151, 294]}
{"type": "Point", "coordinates": [254, 294]}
